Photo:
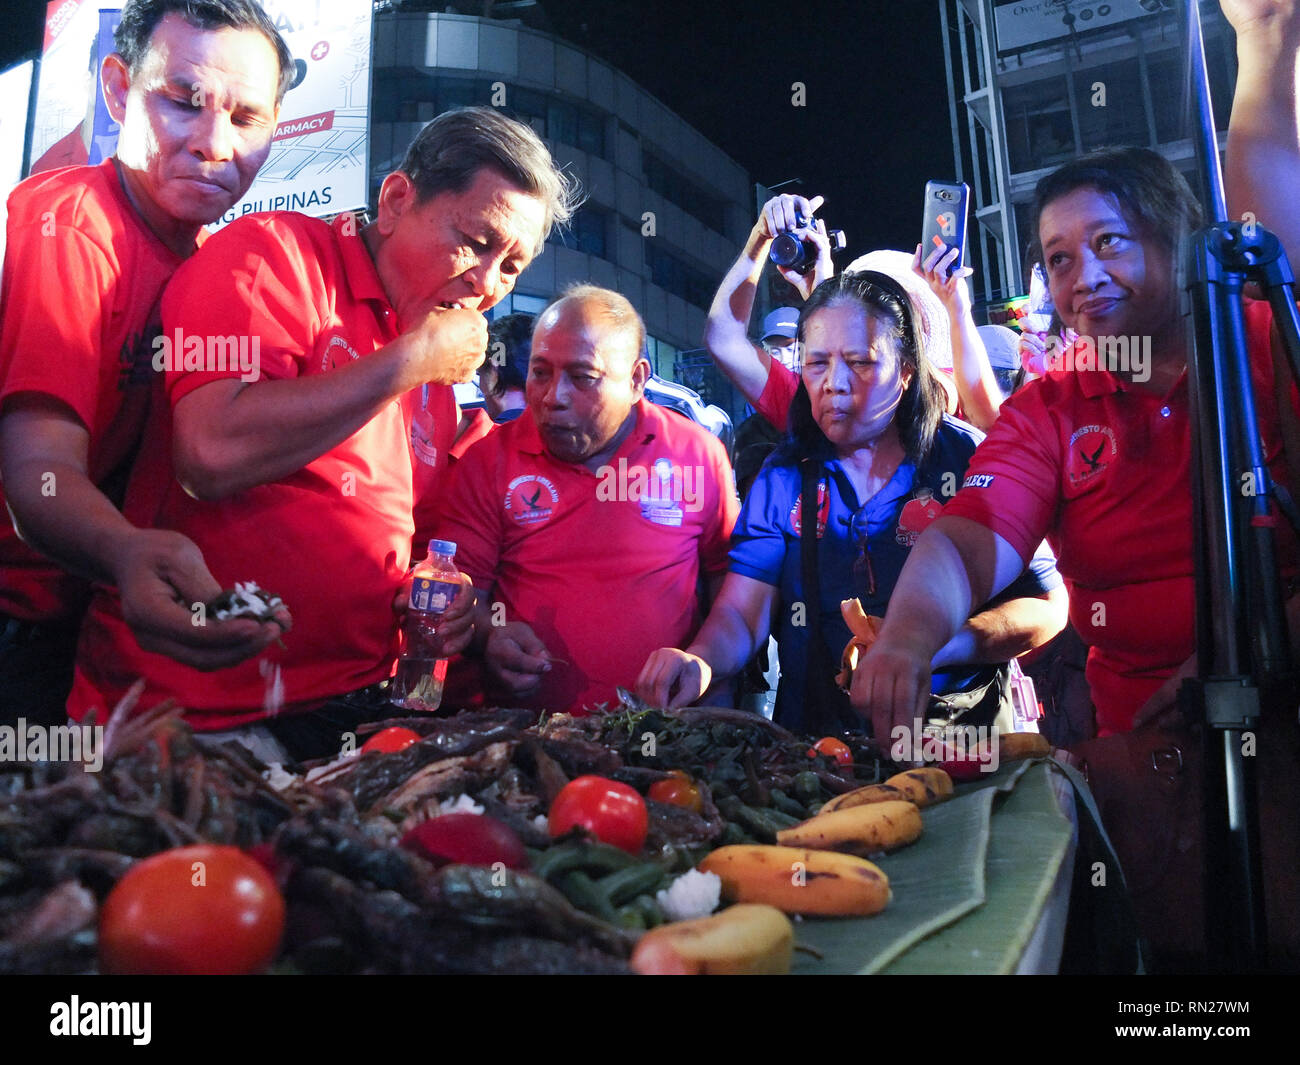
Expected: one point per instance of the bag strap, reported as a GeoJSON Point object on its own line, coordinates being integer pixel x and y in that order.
{"type": "Point", "coordinates": [825, 707]}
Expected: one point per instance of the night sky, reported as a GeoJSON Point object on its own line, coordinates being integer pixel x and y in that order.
{"type": "Point", "coordinates": [875, 127]}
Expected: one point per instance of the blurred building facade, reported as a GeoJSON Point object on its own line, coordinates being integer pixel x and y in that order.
{"type": "Point", "coordinates": [666, 209]}
{"type": "Point", "coordinates": [1033, 83]}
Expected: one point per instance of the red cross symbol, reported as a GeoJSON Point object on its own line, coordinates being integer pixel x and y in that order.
{"type": "Point", "coordinates": [320, 50]}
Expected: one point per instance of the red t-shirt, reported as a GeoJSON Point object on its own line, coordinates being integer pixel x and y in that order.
{"type": "Point", "coordinates": [603, 568]}
{"type": "Point", "coordinates": [778, 394]}
{"type": "Point", "coordinates": [1103, 470]}
{"type": "Point", "coordinates": [332, 540]}
{"type": "Point", "coordinates": [915, 517]}
{"type": "Point", "coordinates": [78, 312]}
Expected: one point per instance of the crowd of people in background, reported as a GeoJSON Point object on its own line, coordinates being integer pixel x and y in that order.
{"type": "Point", "coordinates": [603, 537]}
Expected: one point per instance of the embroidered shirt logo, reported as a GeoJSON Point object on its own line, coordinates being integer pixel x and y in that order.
{"type": "Point", "coordinates": [823, 511]}
{"type": "Point", "coordinates": [335, 350]}
{"type": "Point", "coordinates": [1091, 450]}
{"type": "Point", "coordinates": [531, 499]}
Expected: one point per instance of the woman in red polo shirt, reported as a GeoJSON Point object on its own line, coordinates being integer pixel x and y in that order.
{"type": "Point", "coordinates": [1096, 456]}
{"type": "Point", "coordinates": [1099, 459]}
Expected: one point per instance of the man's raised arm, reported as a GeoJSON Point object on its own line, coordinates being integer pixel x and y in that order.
{"type": "Point", "coordinates": [1262, 166]}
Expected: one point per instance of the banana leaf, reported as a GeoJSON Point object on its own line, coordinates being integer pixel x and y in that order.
{"type": "Point", "coordinates": [1030, 838]}
{"type": "Point", "coordinates": [941, 883]}
{"type": "Point", "coordinates": [1004, 779]}
{"type": "Point", "coordinates": [935, 881]}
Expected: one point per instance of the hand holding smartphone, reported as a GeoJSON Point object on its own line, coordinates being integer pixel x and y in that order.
{"type": "Point", "coordinates": [944, 225]}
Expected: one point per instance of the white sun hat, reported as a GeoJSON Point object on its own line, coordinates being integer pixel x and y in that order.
{"type": "Point", "coordinates": [932, 319]}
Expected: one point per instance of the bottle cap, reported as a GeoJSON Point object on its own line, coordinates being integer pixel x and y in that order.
{"type": "Point", "coordinates": [442, 547]}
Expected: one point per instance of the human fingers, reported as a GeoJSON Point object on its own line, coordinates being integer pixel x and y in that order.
{"type": "Point", "coordinates": [889, 688]}
{"type": "Point", "coordinates": [818, 235]}
{"type": "Point", "coordinates": [455, 341]}
{"type": "Point", "coordinates": [672, 678]}
{"type": "Point", "coordinates": [516, 648]}
{"type": "Point", "coordinates": [520, 684]}
{"type": "Point", "coordinates": [653, 681]}
{"type": "Point", "coordinates": [208, 646]}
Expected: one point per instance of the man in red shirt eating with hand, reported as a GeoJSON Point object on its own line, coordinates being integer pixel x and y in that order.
{"type": "Point", "coordinates": [301, 480]}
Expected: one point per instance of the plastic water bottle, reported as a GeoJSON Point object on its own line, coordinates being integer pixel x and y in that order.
{"type": "Point", "coordinates": [421, 669]}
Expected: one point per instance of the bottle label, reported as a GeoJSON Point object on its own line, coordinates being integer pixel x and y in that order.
{"type": "Point", "coordinates": [431, 596]}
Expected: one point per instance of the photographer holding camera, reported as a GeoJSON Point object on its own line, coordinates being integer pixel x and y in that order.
{"type": "Point", "coordinates": [747, 364]}
{"type": "Point", "coordinates": [800, 247]}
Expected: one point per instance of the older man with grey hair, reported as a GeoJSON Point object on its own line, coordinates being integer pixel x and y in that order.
{"type": "Point", "coordinates": [302, 480]}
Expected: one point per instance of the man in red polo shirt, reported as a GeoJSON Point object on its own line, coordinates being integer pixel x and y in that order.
{"type": "Point", "coordinates": [301, 480]}
{"type": "Point", "coordinates": [587, 522]}
{"type": "Point", "coordinates": [196, 89]}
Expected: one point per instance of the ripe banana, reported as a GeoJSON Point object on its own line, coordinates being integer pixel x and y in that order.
{"type": "Point", "coordinates": [925, 787]}
{"type": "Point", "coordinates": [798, 880]}
{"type": "Point", "coordinates": [1013, 746]}
{"type": "Point", "coordinates": [862, 796]}
{"type": "Point", "coordinates": [741, 940]}
{"type": "Point", "coordinates": [877, 826]}
{"type": "Point", "coordinates": [865, 628]}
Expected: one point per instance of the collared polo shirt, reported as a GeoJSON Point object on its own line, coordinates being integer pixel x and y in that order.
{"type": "Point", "coordinates": [78, 311]}
{"type": "Point", "coordinates": [862, 547]}
{"type": "Point", "coordinates": [1103, 470]}
{"type": "Point", "coordinates": [604, 568]}
{"type": "Point", "coordinates": [333, 539]}
{"type": "Point", "coordinates": [435, 450]}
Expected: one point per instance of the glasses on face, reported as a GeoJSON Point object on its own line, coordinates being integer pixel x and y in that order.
{"type": "Point", "coordinates": [788, 355]}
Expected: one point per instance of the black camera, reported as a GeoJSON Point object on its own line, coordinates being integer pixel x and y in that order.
{"type": "Point", "coordinates": [795, 252]}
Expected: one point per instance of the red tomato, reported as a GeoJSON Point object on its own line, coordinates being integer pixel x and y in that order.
{"type": "Point", "coordinates": [203, 910]}
{"type": "Point", "coordinates": [470, 839]}
{"type": "Point", "coordinates": [614, 813]}
{"type": "Point", "coordinates": [391, 739]}
{"type": "Point", "coordinates": [832, 748]}
{"type": "Point", "coordinates": [680, 791]}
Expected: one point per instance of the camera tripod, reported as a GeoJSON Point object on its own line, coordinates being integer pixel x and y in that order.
{"type": "Point", "coordinates": [1241, 638]}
